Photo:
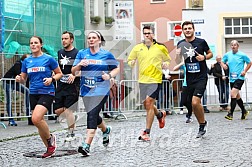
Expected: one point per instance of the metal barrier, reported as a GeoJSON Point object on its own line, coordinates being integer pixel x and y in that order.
{"type": "Point", "coordinates": [211, 94]}
{"type": "Point", "coordinates": [14, 99]}
{"type": "Point", "coordinates": [127, 98]}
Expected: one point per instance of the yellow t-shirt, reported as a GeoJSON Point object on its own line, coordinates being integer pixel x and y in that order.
{"type": "Point", "coordinates": [150, 61]}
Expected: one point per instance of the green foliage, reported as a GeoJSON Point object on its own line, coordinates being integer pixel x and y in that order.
{"type": "Point", "coordinates": [109, 20]}
{"type": "Point", "coordinates": [95, 19]}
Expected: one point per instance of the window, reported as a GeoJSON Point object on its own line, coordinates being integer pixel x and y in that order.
{"type": "Point", "coordinates": [152, 24]}
{"type": "Point", "coordinates": [108, 8]}
{"type": "Point", "coordinates": [93, 10]}
{"type": "Point", "coordinates": [158, 1]}
{"type": "Point", "coordinates": [170, 26]}
{"type": "Point", "coordinates": [238, 26]}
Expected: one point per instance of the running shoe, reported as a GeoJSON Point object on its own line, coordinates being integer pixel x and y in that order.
{"type": "Point", "coordinates": [105, 136]}
{"type": "Point", "coordinates": [229, 116]}
{"type": "Point", "coordinates": [50, 149]}
{"type": "Point", "coordinates": [84, 150]}
{"type": "Point", "coordinates": [189, 120]}
{"type": "Point", "coordinates": [162, 120]}
{"type": "Point", "coordinates": [144, 136]}
{"type": "Point", "coordinates": [244, 115]}
{"type": "Point", "coordinates": [202, 130]}
{"type": "Point", "coordinates": [70, 137]}
{"type": "Point", "coordinates": [12, 122]}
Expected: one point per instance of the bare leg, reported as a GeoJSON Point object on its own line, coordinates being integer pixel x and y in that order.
{"type": "Point", "coordinates": [198, 109]}
{"type": "Point", "coordinates": [38, 120]}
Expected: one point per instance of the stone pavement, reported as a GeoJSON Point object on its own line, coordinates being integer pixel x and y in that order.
{"type": "Point", "coordinates": [227, 143]}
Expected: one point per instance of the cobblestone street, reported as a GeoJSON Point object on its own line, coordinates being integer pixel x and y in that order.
{"type": "Point", "coordinates": [227, 143]}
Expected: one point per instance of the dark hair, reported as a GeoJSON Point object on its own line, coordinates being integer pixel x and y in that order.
{"type": "Point", "coordinates": [70, 34]}
{"type": "Point", "coordinates": [187, 23]}
{"type": "Point", "coordinates": [24, 56]}
{"type": "Point", "coordinates": [39, 38]}
{"type": "Point", "coordinates": [149, 28]}
{"type": "Point", "coordinates": [99, 36]}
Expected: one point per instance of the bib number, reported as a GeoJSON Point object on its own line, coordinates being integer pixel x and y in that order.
{"type": "Point", "coordinates": [234, 75]}
{"type": "Point", "coordinates": [193, 67]}
{"type": "Point", "coordinates": [64, 78]}
{"type": "Point", "coordinates": [90, 82]}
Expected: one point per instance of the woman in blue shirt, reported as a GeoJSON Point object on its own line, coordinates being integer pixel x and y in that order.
{"type": "Point", "coordinates": [97, 67]}
{"type": "Point", "coordinates": [39, 67]}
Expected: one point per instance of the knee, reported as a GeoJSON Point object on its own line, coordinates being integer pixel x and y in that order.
{"type": "Point", "coordinates": [147, 105]}
{"type": "Point", "coordinates": [195, 103]}
{"type": "Point", "coordinates": [59, 111]}
{"type": "Point", "coordinates": [36, 120]}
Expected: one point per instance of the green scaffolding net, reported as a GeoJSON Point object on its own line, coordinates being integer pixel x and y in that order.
{"type": "Point", "coordinates": [47, 19]}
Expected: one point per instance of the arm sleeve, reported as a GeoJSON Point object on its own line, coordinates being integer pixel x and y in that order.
{"type": "Point", "coordinates": [132, 56]}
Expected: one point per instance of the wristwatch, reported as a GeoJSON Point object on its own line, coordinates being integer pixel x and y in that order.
{"type": "Point", "coordinates": [109, 76]}
{"type": "Point", "coordinates": [53, 79]}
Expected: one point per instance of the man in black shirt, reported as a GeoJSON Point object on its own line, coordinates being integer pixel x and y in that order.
{"type": "Point", "coordinates": [67, 92]}
{"type": "Point", "coordinates": [196, 71]}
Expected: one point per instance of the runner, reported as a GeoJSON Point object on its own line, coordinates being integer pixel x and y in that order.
{"type": "Point", "coordinates": [196, 70]}
{"type": "Point", "coordinates": [67, 92]}
{"type": "Point", "coordinates": [152, 57]}
{"type": "Point", "coordinates": [39, 67]}
{"type": "Point", "coordinates": [97, 67]}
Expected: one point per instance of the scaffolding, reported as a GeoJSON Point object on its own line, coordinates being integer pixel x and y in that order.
{"type": "Point", "coordinates": [47, 19]}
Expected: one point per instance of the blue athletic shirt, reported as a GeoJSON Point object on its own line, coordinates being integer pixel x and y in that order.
{"type": "Point", "coordinates": [91, 83]}
{"type": "Point", "coordinates": [236, 64]}
{"type": "Point", "coordinates": [38, 68]}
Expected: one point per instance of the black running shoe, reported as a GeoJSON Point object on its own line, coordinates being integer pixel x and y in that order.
{"type": "Point", "coordinates": [229, 116]}
{"type": "Point", "coordinates": [84, 151]}
{"type": "Point", "coordinates": [105, 136]}
{"type": "Point", "coordinates": [202, 130]}
{"type": "Point", "coordinates": [244, 115]}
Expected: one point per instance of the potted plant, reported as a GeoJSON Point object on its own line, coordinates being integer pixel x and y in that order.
{"type": "Point", "coordinates": [109, 20]}
{"type": "Point", "coordinates": [95, 19]}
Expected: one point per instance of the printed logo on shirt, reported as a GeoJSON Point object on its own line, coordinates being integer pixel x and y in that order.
{"type": "Point", "coordinates": [64, 61]}
{"type": "Point", "coordinates": [91, 61]}
{"type": "Point", "coordinates": [36, 69]}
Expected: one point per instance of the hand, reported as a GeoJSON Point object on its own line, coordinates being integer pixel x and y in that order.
{"type": "Point", "coordinates": [223, 77]}
{"type": "Point", "coordinates": [200, 57]}
{"type": "Point", "coordinates": [243, 73]}
{"type": "Point", "coordinates": [70, 79]}
{"type": "Point", "coordinates": [84, 62]}
{"type": "Point", "coordinates": [133, 62]}
{"type": "Point", "coordinates": [18, 78]}
{"type": "Point", "coordinates": [212, 65]}
{"type": "Point", "coordinates": [47, 81]}
{"type": "Point", "coordinates": [105, 76]}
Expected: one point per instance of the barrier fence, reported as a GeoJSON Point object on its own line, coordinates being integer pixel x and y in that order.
{"type": "Point", "coordinates": [126, 98]}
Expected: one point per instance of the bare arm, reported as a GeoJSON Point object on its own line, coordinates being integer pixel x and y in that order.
{"type": "Point", "coordinates": [246, 69]}
{"type": "Point", "coordinates": [21, 78]}
{"type": "Point", "coordinates": [111, 74]}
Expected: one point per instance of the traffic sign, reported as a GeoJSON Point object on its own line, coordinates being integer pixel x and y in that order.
{"type": "Point", "coordinates": [177, 30]}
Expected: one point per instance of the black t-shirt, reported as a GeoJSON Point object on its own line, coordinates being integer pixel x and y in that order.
{"type": "Point", "coordinates": [196, 70]}
{"type": "Point", "coordinates": [66, 59]}
{"type": "Point", "coordinates": [14, 71]}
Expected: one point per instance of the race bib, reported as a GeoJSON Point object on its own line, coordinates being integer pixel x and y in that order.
{"type": "Point", "coordinates": [90, 82]}
{"type": "Point", "coordinates": [64, 78]}
{"type": "Point", "coordinates": [193, 67]}
{"type": "Point", "coordinates": [234, 75]}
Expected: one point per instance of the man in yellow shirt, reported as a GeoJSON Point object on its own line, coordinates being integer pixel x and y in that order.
{"type": "Point", "coordinates": [151, 58]}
